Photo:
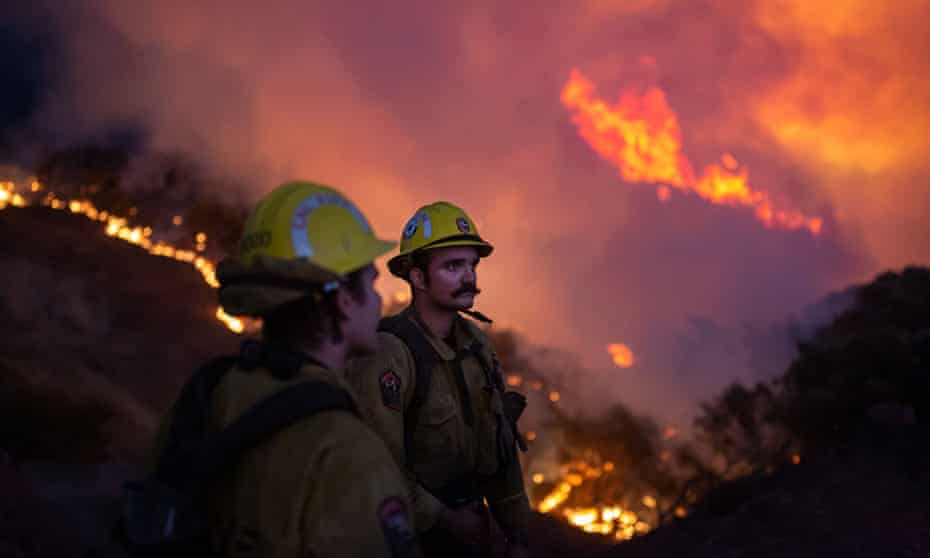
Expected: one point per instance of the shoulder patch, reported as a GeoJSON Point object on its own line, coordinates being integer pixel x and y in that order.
{"type": "Point", "coordinates": [391, 385]}
{"type": "Point", "coordinates": [398, 532]}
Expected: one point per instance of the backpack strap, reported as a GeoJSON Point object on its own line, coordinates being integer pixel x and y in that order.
{"type": "Point", "coordinates": [192, 411]}
{"type": "Point", "coordinates": [193, 454]}
{"type": "Point", "coordinates": [261, 421]}
{"type": "Point", "coordinates": [424, 360]}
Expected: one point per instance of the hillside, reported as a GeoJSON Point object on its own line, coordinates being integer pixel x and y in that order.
{"type": "Point", "coordinates": [99, 336]}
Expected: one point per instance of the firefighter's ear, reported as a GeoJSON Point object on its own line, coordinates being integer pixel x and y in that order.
{"type": "Point", "coordinates": [417, 278]}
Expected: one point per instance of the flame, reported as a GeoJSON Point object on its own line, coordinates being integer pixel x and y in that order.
{"type": "Point", "coordinates": [118, 227]}
{"type": "Point", "coordinates": [234, 324]}
{"type": "Point", "coordinates": [606, 520]}
{"type": "Point", "coordinates": [622, 355]}
{"type": "Point", "coordinates": [640, 135]}
{"type": "Point", "coordinates": [614, 519]}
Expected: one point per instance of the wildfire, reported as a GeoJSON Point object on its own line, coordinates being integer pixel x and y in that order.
{"type": "Point", "coordinates": [622, 355]}
{"type": "Point", "coordinates": [613, 519]}
{"type": "Point", "coordinates": [118, 227]}
{"type": "Point", "coordinates": [624, 524]}
{"type": "Point", "coordinates": [234, 324]}
{"type": "Point", "coordinates": [640, 135]}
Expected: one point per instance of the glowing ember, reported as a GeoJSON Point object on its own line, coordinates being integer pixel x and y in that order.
{"type": "Point", "coordinates": [622, 355]}
{"type": "Point", "coordinates": [649, 502]}
{"type": "Point", "coordinates": [640, 135]}
{"type": "Point", "coordinates": [624, 524]}
{"type": "Point", "coordinates": [554, 396]}
{"type": "Point", "coordinates": [538, 478]}
{"type": "Point", "coordinates": [234, 324]}
{"type": "Point", "coordinates": [555, 498]}
{"type": "Point", "coordinates": [514, 380]}
{"type": "Point", "coordinates": [796, 459]}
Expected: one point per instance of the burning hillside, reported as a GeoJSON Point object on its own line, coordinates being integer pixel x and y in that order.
{"type": "Point", "coordinates": [107, 321]}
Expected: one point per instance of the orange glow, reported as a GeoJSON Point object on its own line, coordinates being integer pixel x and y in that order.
{"type": "Point", "coordinates": [622, 523]}
{"type": "Point", "coordinates": [622, 355]}
{"type": "Point", "coordinates": [234, 324]}
{"type": "Point", "coordinates": [640, 135]}
{"type": "Point", "coordinates": [118, 227]}
{"type": "Point", "coordinates": [796, 459]}
{"type": "Point", "coordinates": [554, 396]}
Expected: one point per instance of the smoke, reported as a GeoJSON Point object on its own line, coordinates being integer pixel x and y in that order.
{"type": "Point", "coordinates": [401, 104]}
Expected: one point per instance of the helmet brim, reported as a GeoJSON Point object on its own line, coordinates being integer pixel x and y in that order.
{"type": "Point", "coordinates": [398, 265]}
{"type": "Point", "coordinates": [242, 297]}
{"type": "Point", "coordinates": [375, 249]}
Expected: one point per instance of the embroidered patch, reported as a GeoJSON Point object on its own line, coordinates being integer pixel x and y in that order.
{"type": "Point", "coordinates": [396, 525]}
{"type": "Point", "coordinates": [462, 224]}
{"type": "Point", "coordinates": [390, 390]}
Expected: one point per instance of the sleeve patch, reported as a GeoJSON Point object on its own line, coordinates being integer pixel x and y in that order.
{"type": "Point", "coordinates": [398, 532]}
{"type": "Point", "coordinates": [390, 390]}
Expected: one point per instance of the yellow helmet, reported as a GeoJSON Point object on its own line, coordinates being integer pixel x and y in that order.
{"type": "Point", "coordinates": [437, 225]}
{"type": "Point", "coordinates": [300, 238]}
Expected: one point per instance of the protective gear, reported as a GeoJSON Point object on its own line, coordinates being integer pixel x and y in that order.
{"type": "Point", "coordinates": [300, 239]}
{"type": "Point", "coordinates": [164, 513]}
{"type": "Point", "coordinates": [341, 494]}
{"type": "Point", "coordinates": [437, 225]}
{"type": "Point", "coordinates": [461, 430]}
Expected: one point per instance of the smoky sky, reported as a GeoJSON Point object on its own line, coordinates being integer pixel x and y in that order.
{"type": "Point", "coordinates": [404, 103]}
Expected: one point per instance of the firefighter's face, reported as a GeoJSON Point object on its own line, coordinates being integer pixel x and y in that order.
{"type": "Point", "coordinates": [362, 314]}
{"type": "Point", "coordinates": [453, 278]}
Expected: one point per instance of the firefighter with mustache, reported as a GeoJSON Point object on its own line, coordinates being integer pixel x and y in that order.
{"type": "Point", "coordinates": [314, 479]}
{"type": "Point", "coordinates": [435, 393]}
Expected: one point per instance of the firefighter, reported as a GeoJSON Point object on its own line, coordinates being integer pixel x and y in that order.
{"type": "Point", "coordinates": [326, 485]}
{"type": "Point", "coordinates": [435, 393]}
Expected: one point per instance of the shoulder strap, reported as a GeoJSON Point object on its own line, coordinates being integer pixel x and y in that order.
{"type": "Point", "coordinates": [424, 359]}
{"type": "Point", "coordinates": [190, 415]}
{"type": "Point", "coordinates": [193, 454]}
{"type": "Point", "coordinates": [274, 413]}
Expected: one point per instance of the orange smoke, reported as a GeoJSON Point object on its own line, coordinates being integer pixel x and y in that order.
{"type": "Point", "coordinates": [622, 355]}
{"type": "Point", "coordinates": [640, 135]}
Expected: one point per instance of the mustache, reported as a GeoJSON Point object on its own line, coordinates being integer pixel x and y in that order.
{"type": "Point", "coordinates": [468, 288]}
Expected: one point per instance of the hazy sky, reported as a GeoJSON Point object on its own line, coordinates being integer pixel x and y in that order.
{"type": "Point", "coordinates": [403, 103]}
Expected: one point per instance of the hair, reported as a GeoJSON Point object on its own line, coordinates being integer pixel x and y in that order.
{"type": "Point", "coordinates": [309, 321]}
{"type": "Point", "coordinates": [420, 259]}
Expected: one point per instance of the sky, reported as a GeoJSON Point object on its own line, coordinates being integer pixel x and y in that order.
{"type": "Point", "coordinates": [823, 105]}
